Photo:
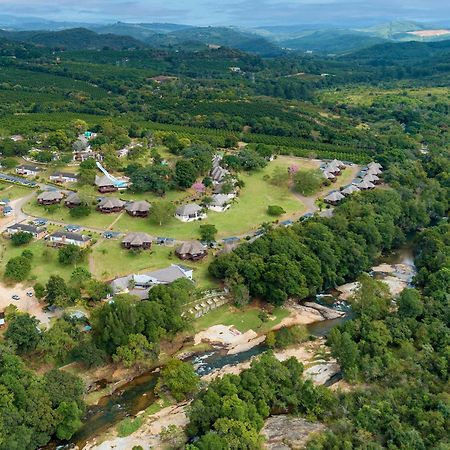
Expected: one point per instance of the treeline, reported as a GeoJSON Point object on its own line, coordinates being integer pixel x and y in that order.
{"type": "Point", "coordinates": [34, 407]}
{"type": "Point", "coordinates": [321, 253]}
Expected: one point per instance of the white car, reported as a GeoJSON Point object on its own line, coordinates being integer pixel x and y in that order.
{"type": "Point", "coordinates": [30, 294]}
{"type": "Point", "coordinates": [15, 297]}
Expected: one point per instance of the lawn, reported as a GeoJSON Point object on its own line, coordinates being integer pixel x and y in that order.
{"type": "Point", "coordinates": [126, 262]}
{"type": "Point", "coordinates": [242, 319]}
{"type": "Point", "coordinates": [13, 192]}
{"type": "Point", "coordinates": [45, 260]}
{"type": "Point", "coordinates": [246, 214]}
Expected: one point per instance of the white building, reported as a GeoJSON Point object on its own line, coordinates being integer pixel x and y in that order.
{"type": "Point", "coordinates": [190, 213]}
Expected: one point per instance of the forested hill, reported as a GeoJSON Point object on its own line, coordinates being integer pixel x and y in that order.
{"type": "Point", "coordinates": [404, 52]}
{"type": "Point", "coordinates": [220, 36]}
{"type": "Point", "coordinates": [73, 39]}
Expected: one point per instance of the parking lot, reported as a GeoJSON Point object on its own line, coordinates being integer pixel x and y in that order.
{"type": "Point", "coordinates": [26, 304]}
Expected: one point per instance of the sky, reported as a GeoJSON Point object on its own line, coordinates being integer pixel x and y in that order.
{"type": "Point", "coordinates": [231, 12]}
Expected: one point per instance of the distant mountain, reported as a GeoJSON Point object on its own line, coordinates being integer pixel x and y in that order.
{"type": "Point", "coordinates": [218, 36]}
{"type": "Point", "coordinates": [140, 31]}
{"type": "Point", "coordinates": [331, 41]}
{"type": "Point", "coordinates": [73, 39]}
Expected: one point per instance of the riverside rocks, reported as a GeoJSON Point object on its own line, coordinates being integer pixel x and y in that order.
{"type": "Point", "coordinates": [286, 433]}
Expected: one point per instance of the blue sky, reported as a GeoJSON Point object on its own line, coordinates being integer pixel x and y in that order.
{"type": "Point", "coordinates": [231, 12]}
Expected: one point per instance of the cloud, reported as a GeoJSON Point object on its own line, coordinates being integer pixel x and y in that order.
{"type": "Point", "coordinates": [237, 12]}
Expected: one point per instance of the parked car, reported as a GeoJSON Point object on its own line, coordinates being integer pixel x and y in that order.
{"type": "Point", "coordinates": [30, 294]}
{"type": "Point", "coordinates": [15, 297]}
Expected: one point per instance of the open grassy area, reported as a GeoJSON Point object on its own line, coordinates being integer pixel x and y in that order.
{"type": "Point", "coordinates": [243, 319]}
{"type": "Point", "coordinates": [110, 260]}
{"type": "Point", "coordinates": [45, 260]}
{"type": "Point", "coordinates": [12, 191]}
{"type": "Point", "coordinates": [246, 214]}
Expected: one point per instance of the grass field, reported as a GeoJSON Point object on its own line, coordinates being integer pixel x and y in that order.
{"type": "Point", "coordinates": [245, 215]}
{"type": "Point", "coordinates": [110, 260]}
{"type": "Point", "coordinates": [44, 263]}
{"type": "Point", "coordinates": [12, 191]}
{"type": "Point", "coordinates": [243, 319]}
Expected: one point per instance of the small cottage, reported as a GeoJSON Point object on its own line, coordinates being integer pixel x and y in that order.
{"type": "Point", "coordinates": [73, 200]}
{"type": "Point", "coordinates": [192, 250]}
{"type": "Point", "coordinates": [52, 197]}
{"type": "Point", "coordinates": [136, 241]}
{"type": "Point", "coordinates": [108, 205]}
{"type": "Point", "coordinates": [37, 232]}
{"type": "Point", "coordinates": [105, 184]}
{"type": "Point", "coordinates": [138, 209]}
{"type": "Point", "coordinates": [61, 238]}
{"type": "Point", "coordinates": [190, 213]}
{"type": "Point", "coordinates": [333, 198]}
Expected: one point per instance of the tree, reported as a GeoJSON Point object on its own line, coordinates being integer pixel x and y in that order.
{"type": "Point", "coordinates": [57, 291]}
{"type": "Point", "coordinates": [208, 233]}
{"type": "Point", "coordinates": [179, 378]}
{"type": "Point", "coordinates": [96, 290]}
{"type": "Point", "coordinates": [137, 351]}
{"type": "Point", "coordinates": [308, 182]}
{"type": "Point", "coordinates": [240, 294]}
{"type": "Point", "coordinates": [70, 254]}
{"type": "Point", "coordinates": [280, 177]}
{"type": "Point", "coordinates": [275, 210]}
{"type": "Point", "coordinates": [410, 304]}
{"type": "Point", "coordinates": [23, 332]}
{"type": "Point", "coordinates": [80, 211]}
{"type": "Point", "coordinates": [185, 173]}
{"type": "Point", "coordinates": [18, 268]}
{"type": "Point", "coordinates": [39, 291]}
{"type": "Point", "coordinates": [69, 418]}
{"type": "Point", "coordinates": [21, 238]}
{"type": "Point", "coordinates": [57, 342]}
{"type": "Point", "coordinates": [79, 276]}
{"type": "Point", "coordinates": [162, 212]}
{"type": "Point", "coordinates": [89, 354]}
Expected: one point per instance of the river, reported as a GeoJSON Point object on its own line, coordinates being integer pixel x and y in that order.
{"type": "Point", "coordinates": [138, 394]}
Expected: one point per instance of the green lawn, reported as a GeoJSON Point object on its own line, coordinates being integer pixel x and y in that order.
{"type": "Point", "coordinates": [243, 319]}
{"type": "Point", "coordinates": [45, 260]}
{"type": "Point", "coordinates": [245, 215]}
{"type": "Point", "coordinates": [13, 192]}
{"type": "Point", "coordinates": [110, 260]}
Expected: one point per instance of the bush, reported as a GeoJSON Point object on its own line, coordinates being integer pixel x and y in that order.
{"type": "Point", "coordinates": [70, 254]}
{"type": "Point", "coordinates": [80, 211]}
{"type": "Point", "coordinates": [21, 238]}
{"type": "Point", "coordinates": [18, 268]}
{"type": "Point", "coordinates": [275, 210]}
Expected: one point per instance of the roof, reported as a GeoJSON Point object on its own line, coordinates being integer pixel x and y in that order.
{"type": "Point", "coordinates": [370, 177]}
{"type": "Point", "coordinates": [186, 210]}
{"type": "Point", "coordinates": [64, 175]}
{"type": "Point", "coordinates": [334, 197]}
{"type": "Point", "coordinates": [74, 198]}
{"type": "Point", "coordinates": [350, 189]}
{"type": "Point", "coordinates": [365, 184]}
{"type": "Point", "coordinates": [137, 238]}
{"type": "Point", "coordinates": [50, 195]}
{"type": "Point", "coordinates": [328, 175]}
{"type": "Point", "coordinates": [102, 181]}
{"type": "Point", "coordinates": [220, 200]}
{"type": "Point", "coordinates": [140, 205]}
{"type": "Point", "coordinates": [162, 276]}
{"type": "Point", "coordinates": [110, 202]}
{"type": "Point", "coordinates": [218, 173]}
{"type": "Point", "coordinates": [26, 228]}
{"type": "Point", "coordinates": [29, 167]}
{"type": "Point", "coordinates": [190, 248]}
{"type": "Point", "coordinates": [374, 170]}
{"type": "Point", "coordinates": [374, 165]}
{"type": "Point", "coordinates": [70, 236]}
